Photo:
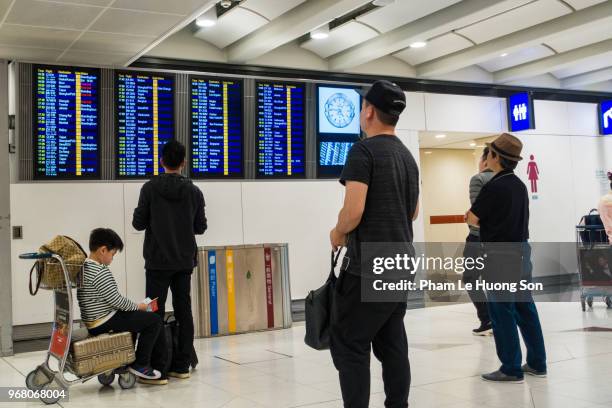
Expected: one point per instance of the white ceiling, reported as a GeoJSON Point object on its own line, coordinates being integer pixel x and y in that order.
{"type": "Point", "coordinates": [462, 36]}
{"type": "Point", "coordinates": [94, 32]}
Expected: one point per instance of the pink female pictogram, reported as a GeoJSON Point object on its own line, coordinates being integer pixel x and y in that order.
{"type": "Point", "coordinates": [533, 172]}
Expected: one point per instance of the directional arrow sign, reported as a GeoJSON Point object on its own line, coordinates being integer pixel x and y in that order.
{"type": "Point", "coordinates": [605, 118]}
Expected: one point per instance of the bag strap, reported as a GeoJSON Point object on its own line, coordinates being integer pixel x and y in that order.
{"type": "Point", "coordinates": [34, 291]}
{"type": "Point", "coordinates": [593, 210]}
{"type": "Point", "coordinates": [334, 262]}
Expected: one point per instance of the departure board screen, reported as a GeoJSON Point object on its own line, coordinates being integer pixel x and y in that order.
{"type": "Point", "coordinates": [66, 137]}
{"type": "Point", "coordinates": [145, 121]}
{"type": "Point", "coordinates": [216, 128]}
{"type": "Point", "coordinates": [280, 130]}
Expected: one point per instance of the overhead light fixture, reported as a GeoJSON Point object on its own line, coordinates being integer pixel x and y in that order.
{"type": "Point", "coordinates": [480, 146]}
{"type": "Point", "coordinates": [473, 144]}
{"type": "Point", "coordinates": [418, 44]}
{"type": "Point", "coordinates": [440, 136]}
{"type": "Point", "coordinates": [208, 18]}
{"type": "Point", "coordinates": [428, 152]}
{"type": "Point", "coordinates": [505, 54]}
{"type": "Point", "coordinates": [320, 33]}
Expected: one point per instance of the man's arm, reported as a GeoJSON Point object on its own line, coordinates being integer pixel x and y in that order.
{"type": "Point", "coordinates": [351, 212]}
{"type": "Point", "coordinates": [472, 219]}
{"type": "Point", "coordinates": [142, 213]}
{"type": "Point", "coordinates": [199, 223]}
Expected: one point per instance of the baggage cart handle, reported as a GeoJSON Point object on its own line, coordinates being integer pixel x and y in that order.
{"type": "Point", "coordinates": [36, 255]}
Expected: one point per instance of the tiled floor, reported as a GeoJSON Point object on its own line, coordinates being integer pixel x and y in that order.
{"type": "Point", "coordinates": [276, 369]}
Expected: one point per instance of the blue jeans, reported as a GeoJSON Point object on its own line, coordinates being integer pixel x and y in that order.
{"type": "Point", "coordinates": [506, 316]}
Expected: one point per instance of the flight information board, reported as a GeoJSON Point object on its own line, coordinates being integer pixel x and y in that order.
{"type": "Point", "coordinates": [216, 128]}
{"type": "Point", "coordinates": [145, 121]}
{"type": "Point", "coordinates": [65, 122]}
{"type": "Point", "coordinates": [280, 130]}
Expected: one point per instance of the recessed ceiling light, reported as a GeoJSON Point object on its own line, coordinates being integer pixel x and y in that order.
{"type": "Point", "coordinates": [480, 146]}
{"type": "Point", "coordinates": [505, 54]}
{"type": "Point", "coordinates": [428, 152]}
{"type": "Point", "coordinates": [418, 44]}
{"type": "Point", "coordinates": [440, 136]}
{"type": "Point", "coordinates": [320, 33]}
{"type": "Point", "coordinates": [473, 144]}
{"type": "Point", "coordinates": [382, 3]}
{"type": "Point", "coordinates": [208, 19]}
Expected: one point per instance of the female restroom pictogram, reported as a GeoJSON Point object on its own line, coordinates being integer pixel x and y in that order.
{"type": "Point", "coordinates": [533, 173]}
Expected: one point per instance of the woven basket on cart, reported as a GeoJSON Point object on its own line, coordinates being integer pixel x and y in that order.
{"type": "Point", "coordinates": [49, 271]}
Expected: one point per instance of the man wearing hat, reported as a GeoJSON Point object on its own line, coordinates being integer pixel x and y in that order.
{"type": "Point", "coordinates": [502, 212]}
{"type": "Point", "coordinates": [381, 182]}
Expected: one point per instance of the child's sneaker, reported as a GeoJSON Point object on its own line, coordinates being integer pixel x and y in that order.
{"type": "Point", "coordinates": [146, 373]}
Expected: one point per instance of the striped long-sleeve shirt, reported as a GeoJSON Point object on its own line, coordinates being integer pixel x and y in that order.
{"type": "Point", "coordinates": [99, 295]}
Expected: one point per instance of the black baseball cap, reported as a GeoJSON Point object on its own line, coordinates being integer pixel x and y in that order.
{"type": "Point", "coordinates": [386, 96]}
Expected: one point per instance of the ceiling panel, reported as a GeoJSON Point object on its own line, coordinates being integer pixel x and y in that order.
{"type": "Point", "coordinates": [101, 3]}
{"type": "Point", "coordinates": [435, 48]}
{"type": "Point", "coordinates": [581, 36]}
{"type": "Point", "coordinates": [183, 7]}
{"type": "Point", "coordinates": [341, 38]}
{"type": "Point", "coordinates": [586, 65]}
{"type": "Point", "coordinates": [102, 59]}
{"type": "Point", "coordinates": [271, 9]}
{"type": "Point", "coordinates": [514, 20]}
{"type": "Point", "coordinates": [580, 4]}
{"type": "Point", "coordinates": [21, 36]}
{"type": "Point", "coordinates": [402, 12]}
{"type": "Point", "coordinates": [135, 22]}
{"type": "Point", "coordinates": [111, 43]}
{"type": "Point", "coordinates": [29, 54]}
{"type": "Point", "coordinates": [453, 140]}
{"type": "Point", "coordinates": [58, 15]}
{"type": "Point", "coordinates": [517, 58]}
{"type": "Point", "coordinates": [231, 27]}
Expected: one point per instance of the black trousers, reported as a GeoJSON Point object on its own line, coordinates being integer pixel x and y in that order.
{"type": "Point", "coordinates": [357, 326]}
{"type": "Point", "coordinates": [147, 324]}
{"type": "Point", "coordinates": [179, 282]}
{"type": "Point", "coordinates": [478, 297]}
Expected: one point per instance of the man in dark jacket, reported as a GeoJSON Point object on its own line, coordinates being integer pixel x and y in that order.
{"type": "Point", "coordinates": [171, 211]}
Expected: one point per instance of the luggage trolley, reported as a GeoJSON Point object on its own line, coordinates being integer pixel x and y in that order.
{"type": "Point", "coordinates": [594, 254]}
{"type": "Point", "coordinates": [60, 345]}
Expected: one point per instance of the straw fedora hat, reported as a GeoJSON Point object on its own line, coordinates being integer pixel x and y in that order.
{"type": "Point", "coordinates": [507, 146]}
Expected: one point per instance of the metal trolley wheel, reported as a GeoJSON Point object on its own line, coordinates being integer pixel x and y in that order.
{"type": "Point", "coordinates": [53, 385]}
{"type": "Point", "coordinates": [127, 380]}
{"type": "Point", "coordinates": [106, 379]}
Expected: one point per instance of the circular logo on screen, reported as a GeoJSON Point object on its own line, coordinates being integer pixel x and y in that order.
{"type": "Point", "coordinates": [339, 110]}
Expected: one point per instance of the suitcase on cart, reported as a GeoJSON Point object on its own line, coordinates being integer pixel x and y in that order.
{"type": "Point", "coordinates": [101, 353]}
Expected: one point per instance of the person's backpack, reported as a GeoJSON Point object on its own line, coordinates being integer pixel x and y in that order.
{"type": "Point", "coordinates": [49, 273]}
{"type": "Point", "coordinates": [592, 230]}
{"type": "Point", "coordinates": [171, 331]}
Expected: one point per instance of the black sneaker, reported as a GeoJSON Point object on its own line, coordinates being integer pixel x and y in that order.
{"type": "Point", "coordinates": [528, 370]}
{"type": "Point", "coordinates": [485, 329]}
{"type": "Point", "coordinates": [498, 376]}
{"type": "Point", "coordinates": [147, 373]}
{"type": "Point", "coordinates": [181, 373]}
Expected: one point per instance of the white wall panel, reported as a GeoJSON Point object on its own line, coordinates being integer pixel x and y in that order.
{"type": "Point", "coordinates": [46, 210]}
{"type": "Point", "coordinates": [457, 113]}
{"type": "Point", "coordinates": [413, 117]}
{"type": "Point", "coordinates": [299, 213]}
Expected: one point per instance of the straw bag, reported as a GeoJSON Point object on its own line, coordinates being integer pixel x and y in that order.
{"type": "Point", "coordinates": [49, 273]}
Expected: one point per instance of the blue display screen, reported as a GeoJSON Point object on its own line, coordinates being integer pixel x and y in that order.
{"type": "Point", "coordinates": [66, 136]}
{"type": "Point", "coordinates": [334, 153]}
{"type": "Point", "coordinates": [520, 112]}
{"type": "Point", "coordinates": [605, 118]}
{"type": "Point", "coordinates": [280, 130]}
{"type": "Point", "coordinates": [216, 128]}
{"type": "Point", "coordinates": [145, 122]}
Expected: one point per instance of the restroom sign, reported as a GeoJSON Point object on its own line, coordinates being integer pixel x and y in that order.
{"type": "Point", "coordinates": [605, 118]}
{"type": "Point", "coordinates": [520, 112]}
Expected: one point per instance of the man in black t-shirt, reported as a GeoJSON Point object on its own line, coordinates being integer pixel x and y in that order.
{"type": "Point", "coordinates": [381, 179]}
{"type": "Point", "coordinates": [502, 212]}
